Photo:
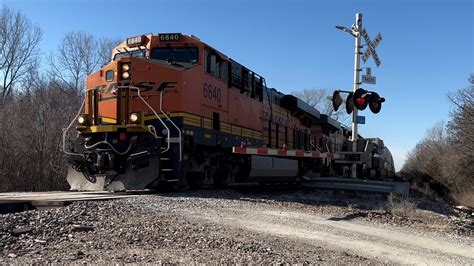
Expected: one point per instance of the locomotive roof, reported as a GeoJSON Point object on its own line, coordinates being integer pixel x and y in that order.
{"type": "Point", "coordinates": [150, 40]}
{"type": "Point", "coordinates": [325, 119]}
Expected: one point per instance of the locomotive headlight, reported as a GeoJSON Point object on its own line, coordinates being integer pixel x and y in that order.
{"type": "Point", "coordinates": [125, 71]}
{"type": "Point", "coordinates": [82, 119]}
{"type": "Point", "coordinates": [135, 118]}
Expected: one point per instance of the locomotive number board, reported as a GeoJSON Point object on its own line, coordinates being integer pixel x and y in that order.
{"type": "Point", "coordinates": [170, 37]}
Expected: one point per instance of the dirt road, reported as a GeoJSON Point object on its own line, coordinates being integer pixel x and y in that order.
{"type": "Point", "coordinates": [383, 244]}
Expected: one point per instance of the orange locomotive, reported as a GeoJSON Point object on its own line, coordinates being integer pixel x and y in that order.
{"type": "Point", "coordinates": [171, 110]}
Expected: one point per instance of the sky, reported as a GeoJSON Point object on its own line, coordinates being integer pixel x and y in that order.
{"type": "Point", "coordinates": [426, 51]}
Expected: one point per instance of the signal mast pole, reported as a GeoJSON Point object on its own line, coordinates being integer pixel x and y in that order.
{"type": "Point", "coordinates": [357, 29]}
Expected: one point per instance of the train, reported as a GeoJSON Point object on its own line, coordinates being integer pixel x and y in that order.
{"type": "Point", "coordinates": [171, 111]}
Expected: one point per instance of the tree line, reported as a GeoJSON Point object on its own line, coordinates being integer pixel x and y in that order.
{"type": "Point", "coordinates": [441, 165]}
{"type": "Point", "coordinates": [37, 101]}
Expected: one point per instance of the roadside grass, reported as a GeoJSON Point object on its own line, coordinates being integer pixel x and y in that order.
{"type": "Point", "coordinates": [466, 199]}
{"type": "Point", "coordinates": [401, 206]}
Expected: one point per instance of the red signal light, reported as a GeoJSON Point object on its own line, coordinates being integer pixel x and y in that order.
{"type": "Point", "coordinates": [360, 101]}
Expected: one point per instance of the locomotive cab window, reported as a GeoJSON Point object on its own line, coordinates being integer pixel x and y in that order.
{"type": "Point", "coordinates": [215, 65]}
{"type": "Point", "coordinates": [176, 56]}
{"type": "Point", "coordinates": [135, 53]}
{"type": "Point", "coordinates": [245, 80]}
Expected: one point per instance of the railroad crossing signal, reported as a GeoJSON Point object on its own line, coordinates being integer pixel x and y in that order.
{"type": "Point", "coordinates": [364, 98]}
{"type": "Point", "coordinates": [361, 99]}
{"type": "Point", "coordinates": [373, 100]}
{"type": "Point", "coordinates": [336, 100]}
{"type": "Point", "coordinates": [371, 47]}
{"type": "Point", "coordinates": [350, 103]}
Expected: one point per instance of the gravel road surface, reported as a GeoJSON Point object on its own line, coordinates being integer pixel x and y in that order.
{"type": "Point", "coordinates": [228, 226]}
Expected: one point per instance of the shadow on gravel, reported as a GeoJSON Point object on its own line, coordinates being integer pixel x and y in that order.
{"type": "Point", "coordinates": [349, 217]}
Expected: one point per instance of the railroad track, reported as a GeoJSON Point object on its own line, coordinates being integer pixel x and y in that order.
{"type": "Point", "coordinates": [23, 201]}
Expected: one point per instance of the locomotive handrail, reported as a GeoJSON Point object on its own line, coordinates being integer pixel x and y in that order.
{"type": "Point", "coordinates": [171, 121]}
{"type": "Point", "coordinates": [110, 145]}
{"type": "Point", "coordinates": [154, 112]}
{"type": "Point", "coordinates": [65, 130]}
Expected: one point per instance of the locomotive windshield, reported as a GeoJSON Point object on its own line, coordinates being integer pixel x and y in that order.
{"type": "Point", "coordinates": [134, 53]}
{"type": "Point", "coordinates": [177, 56]}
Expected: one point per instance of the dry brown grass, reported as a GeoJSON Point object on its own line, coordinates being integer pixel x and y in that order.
{"type": "Point", "coordinates": [401, 206]}
{"type": "Point", "coordinates": [465, 199]}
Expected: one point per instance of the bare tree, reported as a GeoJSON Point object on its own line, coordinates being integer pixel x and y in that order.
{"type": "Point", "coordinates": [318, 98]}
{"type": "Point", "coordinates": [39, 105]}
{"type": "Point", "coordinates": [313, 97]}
{"type": "Point", "coordinates": [30, 135]}
{"type": "Point", "coordinates": [446, 154]}
{"type": "Point", "coordinates": [76, 58]}
{"type": "Point", "coordinates": [106, 45]}
{"type": "Point", "coordinates": [461, 133]}
{"type": "Point", "coordinates": [19, 40]}
{"type": "Point", "coordinates": [462, 125]}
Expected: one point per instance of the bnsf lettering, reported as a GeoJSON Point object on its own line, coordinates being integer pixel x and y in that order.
{"type": "Point", "coordinates": [211, 92]}
{"type": "Point", "coordinates": [143, 87]}
{"type": "Point", "coordinates": [163, 86]}
{"type": "Point", "coordinates": [167, 85]}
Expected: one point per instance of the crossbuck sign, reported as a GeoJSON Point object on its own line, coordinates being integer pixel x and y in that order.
{"type": "Point", "coordinates": [371, 47]}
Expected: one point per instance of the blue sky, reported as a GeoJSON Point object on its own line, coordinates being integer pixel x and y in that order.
{"type": "Point", "coordinates": [426, 51]}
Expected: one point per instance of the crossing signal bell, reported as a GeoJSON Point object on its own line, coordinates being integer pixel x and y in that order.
{"type": "Point", "coordinates": [362, 98]}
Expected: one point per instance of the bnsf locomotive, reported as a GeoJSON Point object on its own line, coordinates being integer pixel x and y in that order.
{"type": "Point", "coordinates": [170, 110]}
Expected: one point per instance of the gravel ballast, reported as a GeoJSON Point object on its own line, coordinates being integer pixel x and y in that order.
{"type": "Point", "coordinates": [216, 226]}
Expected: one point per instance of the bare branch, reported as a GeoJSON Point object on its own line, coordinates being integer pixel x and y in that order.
{"type": "Point", "coordinates": [106, 45]}
{"type": "Point", "coordinates": [75, 59]}
{"type": "Point", "coordinates": [19, 41]}
{"type": "Point", "coordinates": [317, 98]}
